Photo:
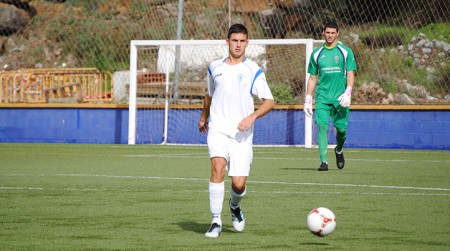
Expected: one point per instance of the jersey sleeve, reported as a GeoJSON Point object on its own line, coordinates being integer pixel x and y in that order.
{"type": "Point", "coordinates": [312, 66]}
{"type": "Point", "coordinates": [351, 61]}
{"type": "Point", "coordinates": [210, 82]}
{"type": "Point", "coordinates": [261, 88]}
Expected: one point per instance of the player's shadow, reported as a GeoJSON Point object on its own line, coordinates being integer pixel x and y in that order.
{"type": "Point", "coordinates": [196, 227]}
{"type": "Point", "coordinates": [315, 244]}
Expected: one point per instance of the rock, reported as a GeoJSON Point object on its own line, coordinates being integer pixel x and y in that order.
{"type": "Point", "coordinates": [404, 99]}
{"type": "Point", "coordinates": [355, 38]}
{"type": "Point", "coordinates": [417, 91]}
{"type": "Point", "coordinates": [426, 50]}
{"type": "Point", "coordinates": [272, 23]}
{"type": "Point", "coordinates": [420, 43]}
{"type": "Point", "coordinates": [429, 44]}
{"type": "Point", "coordinates": [388, 100]}
{"type": "Point", "coordinates": [12, 19]}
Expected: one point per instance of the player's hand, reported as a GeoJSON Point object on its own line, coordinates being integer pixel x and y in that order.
{"type": "Point", "coordinates": [307, 107]}
{"type": "Point", "coordinates": [202, 126]}
{"type": "Point", "coordinates": [246, 123]}
{"type": "Point", "coordinates": [346, 97]}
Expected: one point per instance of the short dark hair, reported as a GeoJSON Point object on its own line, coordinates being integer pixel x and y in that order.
{"type": "Point", "coordinates": [331, 24]}
{"type": "Point", "coordinates": [237, 28]}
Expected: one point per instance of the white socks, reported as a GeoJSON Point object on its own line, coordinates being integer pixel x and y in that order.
{"type": "Point", "coordinates": [216, 196]}
{"type": "Point", "coordinates": [236, 198]}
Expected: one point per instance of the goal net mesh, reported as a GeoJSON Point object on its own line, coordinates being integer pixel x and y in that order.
{"type": "Point", "coordinates": [170, 84]}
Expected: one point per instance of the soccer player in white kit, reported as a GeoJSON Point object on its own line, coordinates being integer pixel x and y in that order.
{"type": "Point", "coordinates": [233, 81]}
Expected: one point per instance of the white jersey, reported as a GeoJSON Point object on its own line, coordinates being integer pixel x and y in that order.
{"type": "Point", "coordinates": [232, 88]}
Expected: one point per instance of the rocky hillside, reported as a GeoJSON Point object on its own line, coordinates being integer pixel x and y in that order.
{"type": "Point", "coordinates": [78, 33]}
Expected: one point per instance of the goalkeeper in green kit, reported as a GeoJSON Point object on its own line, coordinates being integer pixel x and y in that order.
{"type": "Point", "coordinates": [331, 68]}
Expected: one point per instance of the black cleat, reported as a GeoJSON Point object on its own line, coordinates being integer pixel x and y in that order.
{"type": "Point", "coordinates": [237, 218]}
{"type": "Point", "coordinates": [340, 161]}
{"type": "Point", "coordinates": [323, 166]}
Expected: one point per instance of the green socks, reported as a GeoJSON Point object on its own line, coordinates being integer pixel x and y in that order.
{"type": "Point", "coordinates": [322, 141]}
{"type": "Point", "coordinates": [341, 135]}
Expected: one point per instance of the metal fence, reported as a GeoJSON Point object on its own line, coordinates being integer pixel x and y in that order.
{"type": "Point", "coordinates": [77, 85]}
{"type": "Point", "coordinates": [402, 47]}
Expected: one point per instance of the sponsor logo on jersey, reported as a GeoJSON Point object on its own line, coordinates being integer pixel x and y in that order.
{"type": "Point", "coordinates": [328, 70]}
{"type": "Point", "coordinates": [240, 77]}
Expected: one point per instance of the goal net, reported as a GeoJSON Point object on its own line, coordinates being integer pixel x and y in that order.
{"type": "Point", "coordinates": [168, 84]}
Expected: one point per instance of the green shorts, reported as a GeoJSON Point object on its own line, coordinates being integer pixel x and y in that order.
{"type": "Point", "coordinates": [339, 115]}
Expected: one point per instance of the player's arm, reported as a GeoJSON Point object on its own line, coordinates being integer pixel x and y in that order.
{"type": "Point", "coordinates": [350, 79]}
{"type": "Point", "coordinates": [266, 106]}
{"type": "Point", "coordinates": [203, 122]}
{"type": "Point", "coordinates": [345, 98]}
{"type": "Point", "coordinates": [311, 86]}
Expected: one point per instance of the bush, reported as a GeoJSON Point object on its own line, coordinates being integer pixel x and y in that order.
{"type": "Point", "coordinates": [282, 93]}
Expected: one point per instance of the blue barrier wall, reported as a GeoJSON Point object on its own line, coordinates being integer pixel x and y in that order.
{"type": "Point", "coordinates": [399, 129]}
{"type": "Point", "coordinates": [409, 129]}
{"type": "Point", "coordinates": [61, 125]}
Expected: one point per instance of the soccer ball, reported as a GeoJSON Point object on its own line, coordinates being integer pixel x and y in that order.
{"type": "Point", "coordinates": [321, 221]}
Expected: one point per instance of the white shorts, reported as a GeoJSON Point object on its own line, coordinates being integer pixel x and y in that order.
{"type": "Point", "coordinates": [239, 155]}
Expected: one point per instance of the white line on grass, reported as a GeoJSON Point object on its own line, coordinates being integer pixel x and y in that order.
{"type": "Point", "coordinates": [352, 193]}
{"type": "Point", "coordinates": [205, 191]}
{"type": "Point", "coordinates": [352, 185]}
{"type": "Point", "coordinates": [169, 155]}
{"type": "Point", "coordinates": [196, 156]}
{"type": "Point", "coordinates": [257, 148]}
{"type": "Point", "coordinates": [368, 160]}
{"type": "Point", "coordinates": [255, 182]}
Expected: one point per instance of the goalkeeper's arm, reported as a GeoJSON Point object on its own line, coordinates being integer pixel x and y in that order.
{"type": "Point", "coordinates": [345, 98]}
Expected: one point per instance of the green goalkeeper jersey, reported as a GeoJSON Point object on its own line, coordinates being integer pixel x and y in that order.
{"type": "Point", "coordinates": [332, 65]}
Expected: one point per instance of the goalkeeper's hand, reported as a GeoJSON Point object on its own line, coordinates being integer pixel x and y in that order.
{"type": "Point", "coordinates": [346, 97]}
{"type": "Point", "coordinates": [307, 107]}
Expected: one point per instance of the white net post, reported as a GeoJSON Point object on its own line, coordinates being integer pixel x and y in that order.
{"type": "Point", "coordinates": [132, 93]}
{"type": "Point", "coordinates": [166, 105]}
{"type": "Point", "coordinates": [308, 120]}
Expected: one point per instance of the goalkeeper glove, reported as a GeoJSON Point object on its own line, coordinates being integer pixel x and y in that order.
{"type": "Point", "coordinates": [345, 98]}
{"type": "Point", "coordinates": [307, 107]}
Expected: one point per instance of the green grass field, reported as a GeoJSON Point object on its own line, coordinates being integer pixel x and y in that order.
{"type": "Point", "coordinates": [119, 197]}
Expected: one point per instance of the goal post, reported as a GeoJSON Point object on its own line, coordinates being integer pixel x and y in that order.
{"type": "Point", "coordinates": [160, 100]}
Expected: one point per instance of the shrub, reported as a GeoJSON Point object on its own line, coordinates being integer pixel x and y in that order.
{"type": "Point", "coordinates": [282, 93]}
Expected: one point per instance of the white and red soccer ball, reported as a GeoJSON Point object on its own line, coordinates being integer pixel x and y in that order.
{"type": "Point", "coordinates": [321, 221]}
